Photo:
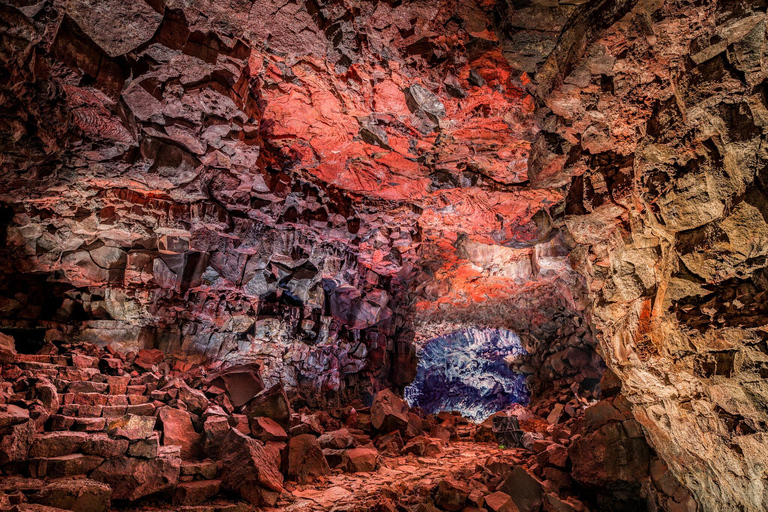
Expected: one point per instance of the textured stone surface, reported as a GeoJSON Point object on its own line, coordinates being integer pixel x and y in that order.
{"type": "Point", "coordinates": [320, 187]}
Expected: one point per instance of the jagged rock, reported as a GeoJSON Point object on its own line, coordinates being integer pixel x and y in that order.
{"type": "Point", "coordinates": [242, 382]}
{"type": "Point", "coordinates": [304, 460]}
{"type": "Point", "coordinates": [248, 470]}
{"type": "Point", "coordinates": [270, 403]}
{"type": "Point", "coordinates": [451, 494]}
{"type": "Point", "coordinates": [266, 429]}
{"type": "Point", "coordinates": [362, 459]}
{"type": "Point", "coordinates": [389, 412]}
{"type": "Point", "coordinates": [525, 489]}
{"type": "Point", "coordinates": [132, 479]}
{"type": "Point", "coordinates": [7, 348]}
{"type": "Point", "coordinates": [179, 431]}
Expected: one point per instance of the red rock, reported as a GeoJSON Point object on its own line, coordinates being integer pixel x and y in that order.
{"type": "Point", "coordinates": [7, 348]}
{"type": "Point", "coordinates": [362, 460]}
{"type": "Point", "coordinates": [526, 490]}
{"type": "Point", "coordinates": [266, 429]}
{"type": "Point", "coordinates": [76, 494]}
{"type": "Point", "coordinates": [241, 382]}
{"type": "Point", "coordinates": [146, 358]}
{"type": "Point", "coordinates": [304, 459]}
{"type": "Point", "coordinates": [423, 446]}
{"type": "Point", "coordinates": [193, 493]}
{"type": "Point", "coordinates": [179, 431]}
{"type": "Point", "coordinates": [64, 465]}
{"type": "Point", "coordinates": [15, 439]}
{"type": "Point", "coordinates": [451, 494]}
{"type": "Point", "coordinates": [500, 502]}
{"type": "Point", "coordinates": [389, 412]}
{"type": "Point", "coordinates": [215, 430]}
{"type": "Point", "coordinates": [132, 479]}
{"type": "Point", "coordinates": [248, 469]}
{"type": "Point", "coordinates": [271, 403]}
{"type": "Point", "coordinates": [195, 400]}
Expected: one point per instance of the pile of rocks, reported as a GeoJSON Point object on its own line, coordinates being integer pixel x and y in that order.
{"type": "Point", "coordinates": [86, 429]}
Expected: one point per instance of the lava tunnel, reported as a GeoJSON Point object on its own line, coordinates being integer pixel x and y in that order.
{"type": "Point", "coordinates": [384, 255]}
{"type": "Point", "coordinates": [469, 371]}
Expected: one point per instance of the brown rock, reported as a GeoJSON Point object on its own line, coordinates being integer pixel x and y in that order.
{"type": "Point", "coordinates": [451, 495]}
{"type": "Point", "coordinates": [389, 412]}
{"type": "Point", "coordinates": [132, 479]}
{"type": "Point", "coordinates": [362, 460]}
{"type": "Point", "coordinates": [7, 348]}
{"type": "Point", "coordinates": [271, 403]}
{"type": "Point", "coordinates": [79, 495]}
{"type": "Point", "coordinates": [196, 492]}
{"type": "Point", "coordinates": [247, 468]}
{"type": "Point", "coordinates": [500, 502]}
{"type": "Point", "coordinates": [266, 429]}
{"type": "Point", "coordinates": [215, 430]}
{"type": "Point", "coordinates": [179, 431]}
{"type": "Point", "coordinates": [16, 439]}
{"type": "Point", "coordinates": [304, 459]}
{"type": "Point", "coordinates": [526, 490]}
{"type": "Point", "coordinates": [146, 448]}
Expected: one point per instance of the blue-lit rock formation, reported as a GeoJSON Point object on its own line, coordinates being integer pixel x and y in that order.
{"type": "Point", "coordinates": [466, 371]}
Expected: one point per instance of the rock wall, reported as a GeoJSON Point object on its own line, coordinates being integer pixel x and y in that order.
{"type": "Point", "coordinates": [656, 128]}
{"type": "Point", "coordinates": [310, 185]}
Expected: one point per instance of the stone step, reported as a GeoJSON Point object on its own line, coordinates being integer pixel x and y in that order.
{"type": "Point", "coordinates": [64, 493]}
{"type": "Point", "coordinates": [107, 411]}
{"type": "Point", "coordinates": [64, 465]}
{"type": "Point", "coordinates": [59, 422]}
{"type": "Point", "coordinates": [43, 358]}
{"type": "Point", "coordinates": [103, 399]}
{"type": "Point", "coordinates": [34, 365]}
{"type": "Point", "coordinates": [55, 444]}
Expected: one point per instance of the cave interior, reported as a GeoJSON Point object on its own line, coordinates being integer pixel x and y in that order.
{"type": "Point", "coordinates": [384, 255]}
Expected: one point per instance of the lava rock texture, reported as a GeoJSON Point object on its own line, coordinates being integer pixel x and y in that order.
{"type": "Point", "coordinates": [322, 186]}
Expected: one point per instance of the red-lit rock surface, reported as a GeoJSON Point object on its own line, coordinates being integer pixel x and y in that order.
{"type": "Point", "coordinates": [98, 449]}
{"type": "Point", "coordinates": [318, 187]}
{"type": "Point", "coordinates": [301, 185]}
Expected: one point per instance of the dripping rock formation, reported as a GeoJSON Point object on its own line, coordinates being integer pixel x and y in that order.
{"type": "Point", "coordinates": [234, 236]}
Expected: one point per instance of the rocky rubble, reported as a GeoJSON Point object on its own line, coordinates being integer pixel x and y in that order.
{"type": "Point", "coordinates": [79, 434]}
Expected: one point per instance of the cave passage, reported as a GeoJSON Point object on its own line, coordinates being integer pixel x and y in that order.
{"type": "Point", "coordinates": [468, 371]}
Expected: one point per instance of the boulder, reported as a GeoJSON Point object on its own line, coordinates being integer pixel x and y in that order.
{"type": "Point", "coordinates": [304, 459]}
{"type": "Point", "coordinates": [336, 439]}
{"type": "Point", "coordinates": [526, 490]}
{"type": "Point", "coordinates": [215, 429]}
{"type": "Point", "coordinates": [179, 431]}
{"type": "Point", "coordinates": [241, 382]}
{"type": "Point", "coordinates": [78, 495]}
{"type": "Point", "coordinates": [389, 412]}
{"type": "Point", "coordinates": [147, 358]}
{"type": "Point", "coordinates": [270, 403]}
{"type": "Point", "coordinates": [451, 495]}
{"type": "Point", "coordinates": [146, 448]}
{"type": "Point", "coordinates": [362, 460]}
{"type": "Point", "coordinates": [195, 492]}
{"type": "Point", "coordinates": [248, 469]}
{"type": "Point", "coordinates": [17, 438]}
{"type": "Point", "coordinates": [132, 479]}
{"type": "Point", "coordinates": [195, 400]}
